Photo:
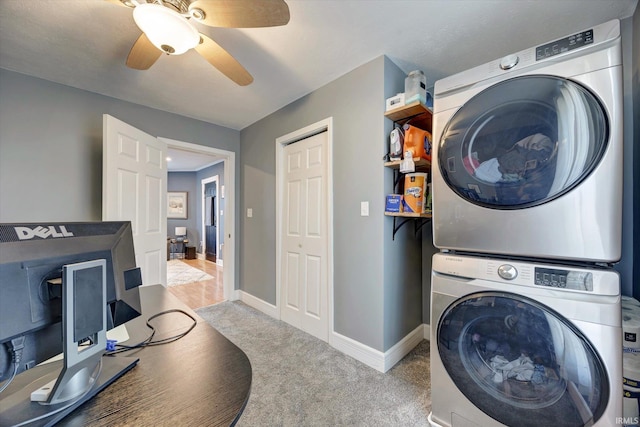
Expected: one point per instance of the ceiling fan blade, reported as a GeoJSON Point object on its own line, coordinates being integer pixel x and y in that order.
{"type": "Point", "coordinates": [242, 13]}
{"type": "Point", "coordinates": [143, 54]}
{"type": "Point", "coordinates": [223, 61]}
{"type": "Point", "coordinates": [118, 2]}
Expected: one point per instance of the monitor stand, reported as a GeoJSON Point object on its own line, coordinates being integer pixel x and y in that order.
{"type": "Point", "coordinates": [17, 407]}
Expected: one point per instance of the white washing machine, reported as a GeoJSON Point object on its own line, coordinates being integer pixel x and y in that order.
{"type": "Point", "coordinates": [528, 152]}
{"type": "Point", "coordinates": [524, 344]}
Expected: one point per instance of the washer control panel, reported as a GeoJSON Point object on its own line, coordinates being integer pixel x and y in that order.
{"type": "Point", "coordinates": [556, 278]}
{"type": "Point", "coordinates": [566, 44]}
{"type": "Point", "coordinates": [510, 273]}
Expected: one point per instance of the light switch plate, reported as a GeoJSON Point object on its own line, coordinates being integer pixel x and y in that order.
{"type": "Point", "coordinates": [249, 213]}
{"type": "Point", "coordinates": [364, 208]}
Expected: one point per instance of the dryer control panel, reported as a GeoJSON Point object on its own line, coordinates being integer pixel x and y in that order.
{"type": "Point", "coordinates": [566, 44]}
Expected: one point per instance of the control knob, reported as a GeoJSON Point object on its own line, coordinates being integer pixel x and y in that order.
{"type": "Point", "coordinates": [507, 272]}
{"type": "Point", "coordinates": [509, 61]}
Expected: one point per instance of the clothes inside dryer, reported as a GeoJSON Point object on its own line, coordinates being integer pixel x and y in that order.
{"type": "Point", "coordinates": [522, 142]}
{"type": "Point", "coordinates": [511, 357]}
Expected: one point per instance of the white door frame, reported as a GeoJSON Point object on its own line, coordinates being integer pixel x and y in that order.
{"type": "Point", "coordinates": [229, 251]}
{"type": "Point", "coordinates": [281, 142]}
{"type": "Point", "coordinates": [203, 184]}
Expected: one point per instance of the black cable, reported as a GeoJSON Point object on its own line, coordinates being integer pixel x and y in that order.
{"type": "Point", "coordinates": [148, 342]}
{"type": "Point", "coordinates": [16, 346]}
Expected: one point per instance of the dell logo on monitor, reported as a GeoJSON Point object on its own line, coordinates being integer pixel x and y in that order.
{"type": "Point", "coordinates": [25, 233]}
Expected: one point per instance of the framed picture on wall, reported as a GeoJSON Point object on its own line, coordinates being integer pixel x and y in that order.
{"type": "Point", "coordinates": [177, 204]}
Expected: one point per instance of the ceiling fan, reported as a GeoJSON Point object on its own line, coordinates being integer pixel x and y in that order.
{"type": "Point", "coordinates": [167, 28]}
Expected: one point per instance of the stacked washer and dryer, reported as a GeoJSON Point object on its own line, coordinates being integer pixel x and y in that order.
{"type": "Point", "coordinates": [527, 213]}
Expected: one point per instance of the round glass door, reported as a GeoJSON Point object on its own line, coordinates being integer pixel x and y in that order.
{"type": "Point", "coordinates": [523, 142]}
{"type": "Point", "coordinates": [521, 362]}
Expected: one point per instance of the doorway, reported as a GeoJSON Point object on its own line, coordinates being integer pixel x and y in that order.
{"type": "Point", "coordinates": [211, 208]}
{"type": "Point", "coordinates": [220, 283]}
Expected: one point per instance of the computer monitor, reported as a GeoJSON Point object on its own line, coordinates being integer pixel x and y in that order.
{"type": "Point", "coordinates": [62, 285]}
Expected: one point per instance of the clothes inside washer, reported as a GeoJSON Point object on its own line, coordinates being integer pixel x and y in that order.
{"type": "Point", "coordinates": [521, 368]}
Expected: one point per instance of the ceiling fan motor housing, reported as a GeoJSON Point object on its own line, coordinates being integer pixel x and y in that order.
{"type": "Point", "coordinates": [167, 29]}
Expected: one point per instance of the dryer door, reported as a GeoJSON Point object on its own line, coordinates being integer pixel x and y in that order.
{"type": "Point", "coordinates": [520, 362]}
{"type": "Point", "coordinates": [523, 142]}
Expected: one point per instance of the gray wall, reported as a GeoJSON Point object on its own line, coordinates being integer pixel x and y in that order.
{"type": "Point", "coordinates": [356, 103]}
{"type": "Point", "coordinates": [51, 146]}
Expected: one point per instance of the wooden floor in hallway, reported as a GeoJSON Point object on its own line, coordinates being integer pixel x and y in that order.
{"type": "Point", "coordinates": [201, 294]}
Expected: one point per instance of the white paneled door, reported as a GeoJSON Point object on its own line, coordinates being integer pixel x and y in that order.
{"type": "Point", "coordinates": [304, 289]}
{"type": "Point", "coordinates": [134, 188]}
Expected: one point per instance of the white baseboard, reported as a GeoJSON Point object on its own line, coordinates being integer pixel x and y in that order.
{"type": "Point", "coordinates": [365, 354]}
{"type": "Point", "coordinates": [374, 358]}
{"type": "Point", "coordinates": [427, 331]}
{"type": "Point", "coordinates": [371, 357]}
{"type": "Point", "coordinates": [258, 304]}
{"type": "Point", "coordinates": [403, 347]}
{"type": "Point", "coordinates": [235, 295]}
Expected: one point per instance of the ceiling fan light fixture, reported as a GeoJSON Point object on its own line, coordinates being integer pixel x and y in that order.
{"type": "Point", "coordinates": [166, 29]}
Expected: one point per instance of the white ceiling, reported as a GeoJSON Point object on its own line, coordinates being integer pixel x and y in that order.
{"type": "Point", "coordinates": [84, 44]}
{"type": "Point", "coordinates": [188, 161]}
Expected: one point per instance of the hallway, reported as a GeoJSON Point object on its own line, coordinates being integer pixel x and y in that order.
{"type": "Point", "coordinates": [204, 293]}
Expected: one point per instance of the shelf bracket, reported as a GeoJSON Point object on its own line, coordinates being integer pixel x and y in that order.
{"type": "Point", "coordinates": [418, 223]}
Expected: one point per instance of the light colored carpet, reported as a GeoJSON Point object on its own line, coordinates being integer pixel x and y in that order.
{"type": "Point", "coordinates": [299, 380]}
{"type": "Point", "coordinates": [180, 273]}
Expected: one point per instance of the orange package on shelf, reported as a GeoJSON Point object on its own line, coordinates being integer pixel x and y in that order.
{"type": "Point", "coordinates": [417, 141]}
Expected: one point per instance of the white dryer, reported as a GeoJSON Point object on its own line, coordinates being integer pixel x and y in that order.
{"type": "Point", "coordinates": [528, 152]}
{"type": "Point", "coordinates": [524, 344]}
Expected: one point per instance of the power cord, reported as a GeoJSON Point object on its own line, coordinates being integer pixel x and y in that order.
{"type": "Point", "coordinates": [16, 346]}
{"type": "Point", "coordinates": [148, 342]}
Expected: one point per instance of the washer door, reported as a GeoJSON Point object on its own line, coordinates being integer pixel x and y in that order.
{"type": "Point", "coordinates": [520, 362]}
{"type": "Point", "coordinates": [523, 142]}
